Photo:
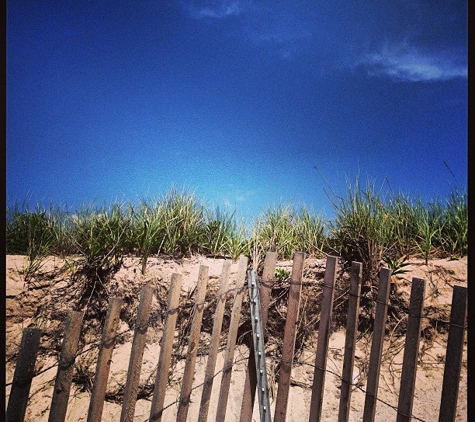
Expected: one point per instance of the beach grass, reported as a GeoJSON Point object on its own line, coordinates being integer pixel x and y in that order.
{"type": "Point", "coordinates": [371, 225]}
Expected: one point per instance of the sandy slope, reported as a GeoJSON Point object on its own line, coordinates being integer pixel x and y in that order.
{"type": "Point", "coordinates": [51, 293]}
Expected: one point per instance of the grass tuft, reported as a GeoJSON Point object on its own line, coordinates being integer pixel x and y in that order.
{"type": "Point", "coordinates": [372, 225]}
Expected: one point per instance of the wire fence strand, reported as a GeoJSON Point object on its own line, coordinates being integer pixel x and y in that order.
{"type": "Point", "coordinates": [279, 284]}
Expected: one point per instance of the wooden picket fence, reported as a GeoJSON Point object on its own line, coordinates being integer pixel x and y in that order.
{"type": "Point", "coordinates": [24, 371]}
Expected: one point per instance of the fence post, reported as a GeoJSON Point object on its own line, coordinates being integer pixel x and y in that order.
{"type": "Point", "coordinates": [377, 345]}
{"type": "Point", "coordinates": [215, 340]}
{"type": "Point", "coordinates": [166, 348]}
{"type": "Point", "coordinates": [265, 290]}
{"type": "Point", "coordinates": [290, 332]}
{"type": "Point", "coordinates": [193, 345]}
{"type": "Point", "coordinates": [136, 354]}
{"type": "Point", "coordinates": [411, 351]}
{"type": "Point", "coordinates": [98, 394]}
{"type": "Point", "coordinates": [350, 341]}
{"type": "Point", "coordinates": [450, 385]}
{"type": "Point", "coordinates": [24, 372]}
{"type": "Point", "coordinates": [323, 339]}
{"type": "Point", "coordinates": [232, 335]}
{"type": "Point", "coordinates": [64, 377]}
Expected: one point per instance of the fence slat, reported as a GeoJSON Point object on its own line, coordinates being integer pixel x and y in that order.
{"type": "Point", "coordinates": [411, 351]}
{"type": "Point", "coordinates": [231, 344]}
{"type": "Point", "coordinates": [350, 341]}
{"type": "Point", "coordinates": [290, 331]}
{"type": "Point", "coordinates": [215, 340]}
{"type": "Point", "coordinates": [98, 394]}
{"type": "Point", "coordinates": [323, 339]}
{"type": "Point", "coordinates": [377, 345]}
{"type": "Point", "coordinates": [166, 348]}
{"type": "Point", "coordinates": [193, 345]}
{"type": "Point", "coordinates": [64, 377]}
{"type": "Point", "coordinates": [265, 290]}
{"type": "Point", "coordinates": [453, 358]}
{"type": "Point", "coordinates": [24, 372]}
{"type": "Point", "coordinates": [136, 354]}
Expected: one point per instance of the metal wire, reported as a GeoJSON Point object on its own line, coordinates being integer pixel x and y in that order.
{"type": "Point", "coordinates": [207, 303]}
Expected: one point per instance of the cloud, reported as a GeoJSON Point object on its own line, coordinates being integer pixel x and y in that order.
{"type": "Point", "coordinates": [277, 23]}
{"type": "Point", "coordinates": [261, 23]}
{"type": "Point", "coordinates": [313, 31]}
{"type": "Point", "coordinates": [214, 9]}
{"type": "Point", "coordinates": [238, 196]}
{"type": "Point", "coordinates": [405, 63]}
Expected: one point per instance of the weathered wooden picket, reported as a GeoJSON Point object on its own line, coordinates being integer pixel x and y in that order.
{"type": "Point", "coordinates": [24, 371]}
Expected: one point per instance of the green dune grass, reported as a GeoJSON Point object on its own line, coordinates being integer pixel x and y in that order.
{"type": "Point", "coordinates": [370, 226]}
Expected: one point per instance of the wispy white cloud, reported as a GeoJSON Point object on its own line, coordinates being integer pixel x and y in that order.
{"type": "Point", "coordinates": [214, 9]}
{"type": "Point", "coordinates": [261, 22]}
{"type": "Point", "coordinates": [313, 31]}
{"type": "Point", "coordinates": [405, 63]}
{"type": "Point", "coordinates": [275, 23]}
{"type": "Point", "coordinates": [238, 196]}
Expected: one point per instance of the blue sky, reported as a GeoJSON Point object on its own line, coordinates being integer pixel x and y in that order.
{"type": "Point", "coordinates": [237, 101]}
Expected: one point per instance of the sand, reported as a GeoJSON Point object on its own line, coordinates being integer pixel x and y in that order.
{"type": "Point", "coordinates": [26, 305]}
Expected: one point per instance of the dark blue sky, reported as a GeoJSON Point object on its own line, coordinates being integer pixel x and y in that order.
{"type": "Point", "coordinates": [237, 101]}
